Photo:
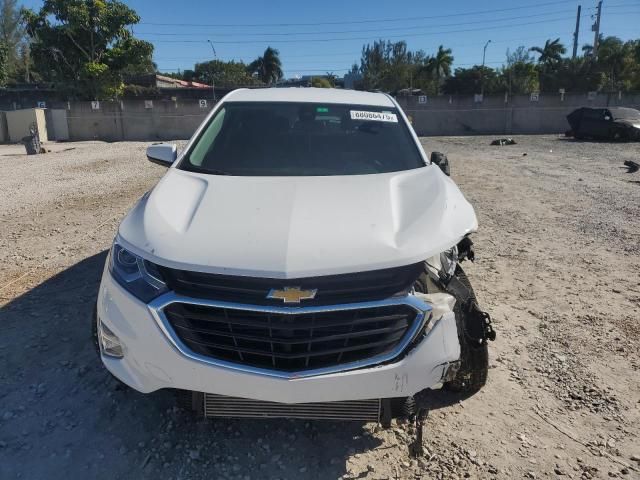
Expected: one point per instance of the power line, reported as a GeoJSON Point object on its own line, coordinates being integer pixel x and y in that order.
{"type": "Point", "coordinates": [412, 27]}
{"type": "Point", "coordinates": [616, 5]}
{"type": "Point", "coordinates": [202, 58]}
{"type": "Point", "coordinates": [431, 33]}
{"type": "Point", "coordinates": [341, 39]}
{"type": "Point", "coordinates": [331, 69]}
{"type": "Point", "coordinates": [354, 22]}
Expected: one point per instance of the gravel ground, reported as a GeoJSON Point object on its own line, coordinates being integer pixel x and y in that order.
{"type": "Point", "coordinates": [557, 266]}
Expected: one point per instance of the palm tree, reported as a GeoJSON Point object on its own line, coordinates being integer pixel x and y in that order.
{"type": "Point", "coordinates": [587, 48]}
{"type": "Point", "coordinates": [550, 57]}
{"type": "Point", "coordinates": [332, 77]}
{"type": "Point", "coordinates": [612, 53]}
{"type": "Point", "coordinates": [441, 63]}
{"type": "Point", "coordinates": [437, 67]}
{"type": "Point", "coordinates": [268, 67]}
{"type": "Point", "coordinates": [551, 52]}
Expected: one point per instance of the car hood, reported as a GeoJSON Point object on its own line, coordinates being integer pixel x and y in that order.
{"type": "Point", "coordinates": [294, 227]}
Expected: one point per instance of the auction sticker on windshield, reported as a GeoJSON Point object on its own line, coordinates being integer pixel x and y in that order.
{"type": "Point", "coordinates": [374, 116]}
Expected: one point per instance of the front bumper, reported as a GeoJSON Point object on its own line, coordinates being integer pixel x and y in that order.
{"type": "Point", "coordinates": [153, 360]}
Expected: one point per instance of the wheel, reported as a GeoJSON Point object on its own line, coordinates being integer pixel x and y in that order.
{"type": "Point", "coordinates": [616, 135]}
{"type": "Point", "coordinates": [474, 358]}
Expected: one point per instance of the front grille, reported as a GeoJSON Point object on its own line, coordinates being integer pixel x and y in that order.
{"type": "Point", "coordinates": [332, 289]}
{"type": "Point", "coordinates": [222, 406]}
{"type": "Point", "coordinates": [291, 342]}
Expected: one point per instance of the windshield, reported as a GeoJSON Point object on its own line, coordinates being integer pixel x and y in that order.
{"type": "Point", "coordinates": [625, 114]}
{"type": "Point", "coordinates": [302, 139]}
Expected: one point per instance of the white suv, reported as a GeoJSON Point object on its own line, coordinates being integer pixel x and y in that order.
{"type": "Point", "coordinates": [300, 258]}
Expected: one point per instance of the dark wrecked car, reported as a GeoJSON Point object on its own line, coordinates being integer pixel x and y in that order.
{"type": "Point", "coordinates": [613, 123]}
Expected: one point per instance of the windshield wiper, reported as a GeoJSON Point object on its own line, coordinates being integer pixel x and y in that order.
{"type": "Point", "coordinates": [210, 171]}
{"type": "Point", "coordinates": [213, 171]}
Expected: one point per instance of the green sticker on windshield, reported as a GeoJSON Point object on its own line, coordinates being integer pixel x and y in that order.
{"type": "Point", "coordinates": [322, 110]}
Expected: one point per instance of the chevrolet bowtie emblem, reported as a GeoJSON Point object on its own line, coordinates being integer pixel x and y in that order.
{"type": "Point", "coordinates": [291, 294]}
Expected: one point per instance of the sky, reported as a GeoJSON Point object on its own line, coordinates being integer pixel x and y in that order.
{"type": "Point", "coordinates": [328, 35]}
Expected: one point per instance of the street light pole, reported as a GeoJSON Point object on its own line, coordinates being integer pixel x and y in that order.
{"type": "Point", "coordinates": [484, 54]}
{"type": "Point", "coordinates": [213, 83]}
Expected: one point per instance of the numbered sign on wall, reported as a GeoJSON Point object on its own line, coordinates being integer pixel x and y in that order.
{"type": "Point", "coordinates": [203, 103]}
{"type": "Point", "coordinates": [535, 96]}
{"type": "Point", "coordinates": [95, 105]}
{"type": "Point", "coordinates": [42, 104]}
{"type": "Point", "coordinates": [148, 104]}
{"type": "Point", "coordinates": [422, 99]}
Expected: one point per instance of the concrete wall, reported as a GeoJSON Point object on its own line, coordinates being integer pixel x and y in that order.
{"type": "Point", "coordinates": [4, 132]}
{"type": "Point", "coordinates": [135, 120]}
{"type": "Point", "coordinates": [166, 119]}
{"type": "Point", "coordinates": [19, 121]}
{"type": "Point", "coordinates": [461, 115]}
{"type": "Point", "coordinates": [57, 124]}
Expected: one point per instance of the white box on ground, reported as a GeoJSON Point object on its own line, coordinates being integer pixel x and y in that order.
{"type": "Point", "coordinates": [19, 122]}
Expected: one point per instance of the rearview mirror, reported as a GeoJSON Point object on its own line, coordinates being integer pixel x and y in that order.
{"type": "Point", "coordinates": [162, 153]}
{"type": "Point", "coordinates": [442, 161]}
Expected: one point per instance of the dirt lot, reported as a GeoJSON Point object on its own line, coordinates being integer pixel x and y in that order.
{"type": "Point", "coordinates": [558, 262]}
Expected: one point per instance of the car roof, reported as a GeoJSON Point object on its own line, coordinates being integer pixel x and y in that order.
{"type": "Point", "coordinates": [311, 95]}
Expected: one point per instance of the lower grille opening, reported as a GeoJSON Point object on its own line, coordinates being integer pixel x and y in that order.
{"type": "Point", "coordinates": [291, 342]}
{"type": "Point", "coordinates": [234, 407]}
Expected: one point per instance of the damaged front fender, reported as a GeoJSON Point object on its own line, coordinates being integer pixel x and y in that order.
{"type": "Point", "coordinates": [477, 326]}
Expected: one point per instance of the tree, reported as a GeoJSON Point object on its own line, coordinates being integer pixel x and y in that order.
{"type": "Point", "coordinates": [440, 63]}
{"type": "Point", "coordinates": [519, 75]}
{"type": "Point", "coordinates": [268, 67]}
{"type": "Point", "coordinates": [321, 82]}
{"type": "Point", "coordinates": [222, 74]}
{"type": "Point", "coordinates": [12, 36]}
{"type": "Point", "coordinates": [466, 81]}
{"type": "Point", "coordinates": [4, 73]}
{"type": "Point", "coordinates": [612, 60]}
{"type": "Point", "coordinates": [551, 52]}
{"type": "Point", "coordinates": [85, 47]}
{"type": "Point", "coordinates": [390, 67]}
{"type": "Point", "coordinates": [331, 77]}
{"type": "Point", "coordinates": [550, 57]}
{"type": "Point", "coordinates": [617, 66]}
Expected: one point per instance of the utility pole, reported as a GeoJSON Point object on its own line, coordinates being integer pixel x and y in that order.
{"type": "Point", "coordinates": [596, 28]}
{"type": "Point", "coordinates": [213, 83]}
{"type": "Point", "coordinates": [484, 54]}
{"type": "Point", "coordinates": [575, 34]}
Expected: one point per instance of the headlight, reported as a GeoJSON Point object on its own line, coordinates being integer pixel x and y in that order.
{"type": "Point", "coordinates": [139, 277]}
{"type": "Point", "coordinates": [443, 266]}
{"type": "Point", "coordinates": [449, 261]}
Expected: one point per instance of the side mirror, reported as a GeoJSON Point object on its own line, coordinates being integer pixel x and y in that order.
{"type": "Point", "coordinates": [162, 153]}
{"type": "Point", "coordinates": [441, 160]}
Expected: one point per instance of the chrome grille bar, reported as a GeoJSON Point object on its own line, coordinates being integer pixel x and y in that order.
{"type": "Point", "coordinates": [423, 322]}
